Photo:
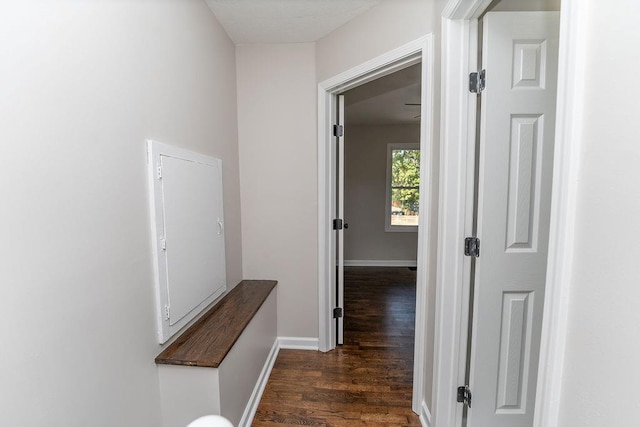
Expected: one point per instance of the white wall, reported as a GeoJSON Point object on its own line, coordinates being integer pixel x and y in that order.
{"type": "Point", "coordinates": [277, 134]}
{"type": "Point", "coordinates": [525, 5]}
{"type": "Point", "coordinates": [277, 120]}
{"type": "Point", "coordinates": [382, 28]}
{"type": "Point", "coordinates": [83, 84]}
{"type": "Point", "coordinates": [365, 193]}
{"type": "Point", "coordinates": [601, 366]}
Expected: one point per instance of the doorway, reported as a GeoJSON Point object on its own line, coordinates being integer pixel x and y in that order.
{"type": "Point", "coordinates": [380, 180]}
{"type": "Point", "coordinates": [398, 59]}
{"type": "Point", "coordinates": [377, 191]}
{"type": "Point", "coordinates": [513, 177]}
{"type": "Point", "coordinates": [459, 110]}
{"type": "Point", "coordinates": [381, 170]}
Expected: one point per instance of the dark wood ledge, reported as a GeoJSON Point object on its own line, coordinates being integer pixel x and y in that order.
{"type": "Point", "coordinates": [208, 341]}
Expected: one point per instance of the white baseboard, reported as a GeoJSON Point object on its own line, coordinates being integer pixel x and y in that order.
{"type": "Point", "coordinates": [294, 343]}
{"type": "Point", "coordinates": [256, 395]}
{"type": "Point", "coordinates": [298, 343]}
{"type": "Point", "coordinates": [425, 415]}
{"type": "Point", "coordinates": [380, 263]}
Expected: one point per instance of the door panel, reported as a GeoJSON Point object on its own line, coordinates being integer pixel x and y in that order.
{"type": "Point", "coordinates": [520, 52]}
{"type": "Point", "coordinates": [515, 350]}
{"type": "Point", "coordinates": [194, 253]}
{"type": "Point", "coordinates": [340, 214]}
{"type": "Point", "coordinates": [523, 206]}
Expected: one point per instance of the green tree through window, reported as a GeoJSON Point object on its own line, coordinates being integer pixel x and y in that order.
{"type": "Point", "coordinates": [404, 186]}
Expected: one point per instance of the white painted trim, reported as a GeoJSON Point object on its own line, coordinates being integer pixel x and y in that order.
{"type": "Point", "coordinates": [425, 415]}
{"type": "Point", "coordinates": [454, 217]}
{"type": "Point", "coordinates": [298, 343]}
{"type": "Point", "coordinates": [570, 106]}
{"type": "Point", "coordinates": [258, 390]}
{"type": "Point", "coordinates": [387, 63]}
{"type": "Point", "coordinates": [428, 165]}
{"type": "Point", "coordinates": [293, 343]}
{"type": "Point", "coordinates": [380, 263]}
{"type": "Point", "coordinates": [408, 54]}
{"type": "Point", "coordinates": [465, 9]}
{"type": "Point", "coordinates": [326, 209]}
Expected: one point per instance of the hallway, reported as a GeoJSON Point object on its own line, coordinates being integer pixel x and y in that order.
{"type": "Point", "coordinates": [365, 382]}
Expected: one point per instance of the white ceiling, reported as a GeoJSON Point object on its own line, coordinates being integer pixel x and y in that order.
{"type": "Point", "coordinates": [285, 21]}
{"type": "Point", "coordinates": [382, 101]}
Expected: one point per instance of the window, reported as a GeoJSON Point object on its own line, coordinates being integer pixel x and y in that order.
{"type": "Point", "coordinates": [403, 187]}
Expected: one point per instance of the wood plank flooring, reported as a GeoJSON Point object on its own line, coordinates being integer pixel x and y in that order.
{"type": "Point", "coordinates": [367, 381]}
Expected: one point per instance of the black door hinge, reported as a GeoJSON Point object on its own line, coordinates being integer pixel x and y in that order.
{"type": "Point", "coordinates": [337, 224]}
{"type": "Point", "coordinates": [337, 313]}
{"type": "Point", "coordinates": [338, 130]}
{"type": "Point", "coordinates": [464, 395]}
{"type": "Point", "coordinates": [472, 247]}
{"type": "Point", "coordinates": [477, 81]}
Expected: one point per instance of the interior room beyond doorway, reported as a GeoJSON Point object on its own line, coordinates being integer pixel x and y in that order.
{"type": "Point", "coordinates": [381, 185]}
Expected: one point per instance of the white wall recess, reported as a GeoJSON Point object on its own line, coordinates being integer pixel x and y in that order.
{"type": "Point", "coordinates": [187, 232]}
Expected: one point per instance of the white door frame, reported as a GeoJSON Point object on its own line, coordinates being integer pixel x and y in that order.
{"type": "Point", "coordinates": [420, 50]}
{"type": "Point", "coordinates": [459, 58]}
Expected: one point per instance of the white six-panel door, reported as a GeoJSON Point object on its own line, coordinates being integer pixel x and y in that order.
{"type": "Point", "coordinates": [520, 51]}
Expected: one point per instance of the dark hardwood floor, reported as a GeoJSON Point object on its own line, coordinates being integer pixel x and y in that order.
{"type": "Point", "coordinates": [365, 382]}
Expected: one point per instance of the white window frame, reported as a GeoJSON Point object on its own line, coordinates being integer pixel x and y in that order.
{"type": "Point", "coordinates": [387, 216]}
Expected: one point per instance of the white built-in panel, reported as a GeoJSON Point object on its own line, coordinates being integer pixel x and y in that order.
{"type": "Point", "coordinates": [515, 347]}
{"type": "Point", "coordinates": [188, 234]}
{"type": "Point", "coordinates": [193, 230]}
